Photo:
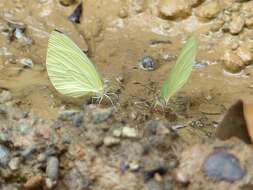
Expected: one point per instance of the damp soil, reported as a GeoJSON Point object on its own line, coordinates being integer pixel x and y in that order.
{"type": "Point", "coordinates": [117, 35]}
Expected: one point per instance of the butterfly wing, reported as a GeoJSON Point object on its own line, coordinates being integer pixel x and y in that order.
{"type": "Point", "coordinates": [69, 69]}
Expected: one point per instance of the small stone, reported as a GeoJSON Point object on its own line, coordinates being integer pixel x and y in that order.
{"type": "Point", "coordinates": [76, 180]}
{"type": "Point", "coordinates": [134, 166]}
{"type": "Point", "coordinates": [100, 115]}
{"type": "Point", "coordinates": [5, 96]}
{"type": "Point", "coordinates": [137, 6]}
{"type": "Point", "coordinates": [14, 163]}
{"type": "Point", "coordinates": [28, 152]}
{"type": "Point", "coordinates": [217, 25]}
{"type": "Point", "coordinates": [34, 182]}
{"type": "Point", "coordinates": [129, 132]}
{"type": "Point", "coordinates": [42, 157]}
{"type": "Point", "coordinates": [174, 9]}
{"type": "Point", "coordinates": [117, 133]}
{"type": "Point", "coordinates": [66, 115]}
{"type": "Point", "coordinates": [245, 55]}
{"type": "Point", "coordinates": [52, 169]}
{"type": "Point", "coordinates": [223, 166]}
{"type": "Point", "coordinates": [50, 184]}
{"type": "Point", "coordinates": [123, 13]}
{"type": "Point", "coordinates": [232, 62]}
{"type": "Point", "coordinates": [249, 22]}
{"type": "Point", "coordinates": [4, 156]}
{"type": "Point", "coordinates": [147, 64]}
{"type": "Point", "coordinates": [111, 141]}
{"type": "Point", "coordinates": [78, 120]}
{"type": "Point", "coordinates": [27, 62]}
{"type": "Point", "coordinates": [208, 10]}
{"type": "Point", "coordinates": [236, 25]}
{"type": "Point", "coordinates": [24, 129]}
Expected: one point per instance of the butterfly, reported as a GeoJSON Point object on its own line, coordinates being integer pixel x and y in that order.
{"type": "Point", "coordinates": [70, 70]}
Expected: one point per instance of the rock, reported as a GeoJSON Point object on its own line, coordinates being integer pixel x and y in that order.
{"type": "Point", "coordinates": [151, 167]}
{"type": "Point", "coordinates": [111, 141]}
{"type": "Point", "coordinates": [14, 163]}
{"type": "Point", "coordinates": [52, 170]}
{"type": "Point", "coordinates": [245, 55]}
{"type": "Point", "coordinates": [67, 2]}
{"type": "Point", "coordinates": [232, 62]}
{"type": "Point", "coordinates": [76, 180]}
{"type": "Point", "coordinates": [147, 63]}
{"type": "Point", "coordinates": [78, 119]}
{"type": "Point", "coordinates": [123, 13]}
{"type": "Point", "coordinates": [208, 10]}
{"type": "Point", "coordinates": [221, 165]}
{"type": "Point", "coordinates": [129, 132]}
{"type": "Point", "coordinates": [137, 6]}
{"type": "Point", "coordinates": [217, 25]}
{"type": "Point", "coordinates": [117, 133]}
{"type": "Point", "coordinates": [67, 115]}
{"type": "Point", "coordinates": [154, 185]}
{"type": "Point", "coordinates": [155, 127]}
{"type": "Point", "coordinates": [134, 166]}
{"type": "Point", "coordinates": [174, 9]}
{"type": "Point", "coordinates": [236, 25]}
{"type": "Point", "coordinates": [50, 184]}
{"type": "Point", "coordinates": [4, 156]}
{"type": "Point", "coordinates": [34, 182]}
{"type": "Point", "coordinates": [28, 152]}
{"type": "Point", "coordinates": [249, 22]}
{"type": "Point", "coordinates": [5, 96]}
{"type": "Point", "coordinates": [27, 62]}
{"type": "Point", "coordinates": [100, 115]}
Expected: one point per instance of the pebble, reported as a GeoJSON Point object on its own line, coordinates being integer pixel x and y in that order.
{"type": "Point", "coordinates": [100, 115]}
{"type": "Point", "coordinates": [208, 10]}
{"type": "Point", "coordinates": [117, 133]}
{"type": "Point", "coordinates": [78, 120]}
{"type": "Point", "coordinates": [34, 182]}
{"type": "Point", "coordinates": [151, 167]}
{"type": "Point", "coordinates": [174, 9]}
{"type": "Point", "coordinates": [28, 152]}
{"type": "Point", "coordinates": [76, 180]}
{"type": "Point", "coordinates": [129, 132]}
{"type": "Point", "coordinates": [223, 166]}
{"type": "Point", "coordinates": [4, 156]}
{"type": "Point", "coordinates": [245, 55]}
{"type": "Point", "coordinates": [134, 166]}
{"type": "Point", "coordinates": [236, 25]}
{"type": "Point", "coordinates": [52, 169]}
{"type": "Point", "coordinates": [14, 163]}
{"type": "Point", "coordinates": [147, 63]}
{"type": "Point", "coordinates": [5, 96]}
{"type": "Point", "coordinates": [66, 115]}
{"type": "Point", "coordinates": [111, 141]}
{"type": "Point", "coordinates": [27, 62]}
{"type": "Point", "coordinates": [232, 62]}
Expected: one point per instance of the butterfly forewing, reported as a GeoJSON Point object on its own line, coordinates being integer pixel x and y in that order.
{"type": "Point", "coordinates": [69, 69]}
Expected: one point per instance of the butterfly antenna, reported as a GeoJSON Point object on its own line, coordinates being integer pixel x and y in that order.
{"type": "Point", "coordinates": [115, 95]}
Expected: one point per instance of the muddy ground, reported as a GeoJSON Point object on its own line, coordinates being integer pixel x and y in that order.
{"type": "Point", "coordinates": [48, 141]}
